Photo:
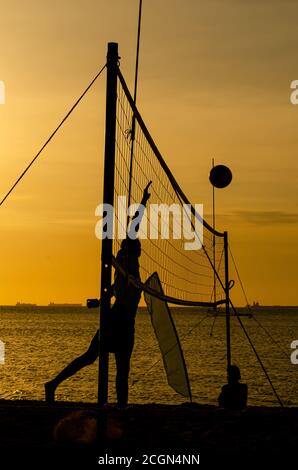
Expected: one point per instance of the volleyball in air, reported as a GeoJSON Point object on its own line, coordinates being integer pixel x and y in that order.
{"type": "Point", "coordinates": [220, 176]}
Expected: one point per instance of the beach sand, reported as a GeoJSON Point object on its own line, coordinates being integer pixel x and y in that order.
{"type": "Point", "coordinates": [28, 436]}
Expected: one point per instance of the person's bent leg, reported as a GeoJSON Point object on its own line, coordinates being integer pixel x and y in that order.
{"type": "Point", "coordinates": [77, 364]}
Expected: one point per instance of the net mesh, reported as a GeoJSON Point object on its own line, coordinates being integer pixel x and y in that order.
{"type": "Point", "coordinates": [186, 275]}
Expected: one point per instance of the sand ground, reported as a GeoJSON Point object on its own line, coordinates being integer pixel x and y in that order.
{"type": "Point", "coordinates": [31, 436]}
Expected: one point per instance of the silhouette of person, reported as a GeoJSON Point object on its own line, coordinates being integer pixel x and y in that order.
{"type": "Point", "coordinates": [121, 323]}
{"type": "Point", "coordinates": [233, 395]}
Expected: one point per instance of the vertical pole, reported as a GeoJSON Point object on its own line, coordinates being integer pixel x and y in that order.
{"type": "Point", "coordinates": [138, 53]}
{"type": "Point", "coordinates": [108, 198]}
{"type": "Point", "coordinates": [214, 257]}
{"type": "Point", "coordinates": [228, 332]}
{"type": "Point", "coordinates": [133, 124]}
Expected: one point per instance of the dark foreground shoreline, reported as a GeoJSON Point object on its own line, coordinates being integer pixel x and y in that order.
{"type": "Point", "coordinates": [216, 435]}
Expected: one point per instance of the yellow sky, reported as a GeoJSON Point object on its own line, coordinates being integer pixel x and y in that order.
{"type": "Point", "coordinates": [214, 82]}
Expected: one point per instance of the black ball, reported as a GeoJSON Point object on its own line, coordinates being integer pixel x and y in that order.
{"type": "Point", "coordinates": [220, 176]}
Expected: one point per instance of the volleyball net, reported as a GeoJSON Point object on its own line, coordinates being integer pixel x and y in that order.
{"type": "Point", "coordinates": [176, 241]}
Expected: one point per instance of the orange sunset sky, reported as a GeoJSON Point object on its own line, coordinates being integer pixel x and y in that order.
{"type": "Point", "coordinates": [214, 82]}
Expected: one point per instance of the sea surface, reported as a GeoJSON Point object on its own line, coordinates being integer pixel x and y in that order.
{"type": "Point", "coordinates": [40, 341]}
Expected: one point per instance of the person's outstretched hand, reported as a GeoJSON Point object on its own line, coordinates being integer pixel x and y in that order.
{"type": "Point", "coordinates": [146, 194]}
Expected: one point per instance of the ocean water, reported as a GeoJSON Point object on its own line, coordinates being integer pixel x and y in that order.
{"type": "Point", "coordinates": [40, 341]}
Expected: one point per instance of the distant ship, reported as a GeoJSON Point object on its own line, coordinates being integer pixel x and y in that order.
{"type": "Point", "coordinates": [22, 304]}
{"type": "Point", "coordinates": [53, 304]}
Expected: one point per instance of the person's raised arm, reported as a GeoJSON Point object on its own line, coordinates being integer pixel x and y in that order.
{"type": "Point", "coordinates": [146, 194]}
{"type": "Point", "coordinates": [137, 218]}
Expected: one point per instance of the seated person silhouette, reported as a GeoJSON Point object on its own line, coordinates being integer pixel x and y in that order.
{"type": "Point", "coordinates": [121, 325]}
{"type": "Point", "coordinates": [233, 395]}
